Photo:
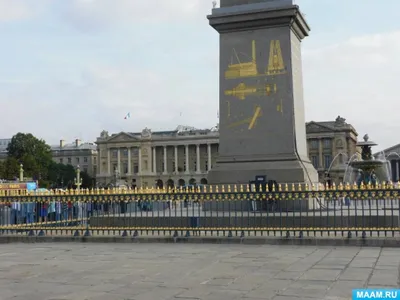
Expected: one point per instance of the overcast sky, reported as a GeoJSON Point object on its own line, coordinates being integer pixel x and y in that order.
{"type": "Point", "coordinates": [73, 68]}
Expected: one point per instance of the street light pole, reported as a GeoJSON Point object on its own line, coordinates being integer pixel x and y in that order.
{"type": "Point", "coordinates": [78, 179]}
{"type": "Point", "coordinates": [21, 173]}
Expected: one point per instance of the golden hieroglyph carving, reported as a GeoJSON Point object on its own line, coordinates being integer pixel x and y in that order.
{"type": "Point", "coordinates": [276, 65]}
{"type": "Point", "coordinates": [241, 91]}
{"type": "Point", "coordinates": [246, 69]}
{"type": "Point", "coordinates": [251, 121]}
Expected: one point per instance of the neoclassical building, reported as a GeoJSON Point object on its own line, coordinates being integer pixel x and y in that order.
{"type": "Point", "coordinates": [185, 155]}
{"type": "Point", "coordinates": [330, 146]}
{"type": "Point", "coordinates": [164, 158]}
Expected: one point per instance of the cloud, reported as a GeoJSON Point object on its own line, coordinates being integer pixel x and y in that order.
{"type": "Point", "coordinates": [358, 80]}
{"type": "Point", "coordinates": [90, 15]}
{"type": "Point", "coordinates": [14, 10]}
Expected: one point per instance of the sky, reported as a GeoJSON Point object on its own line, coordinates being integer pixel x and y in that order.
{"type": "Point", "coordinates": [70, 69]}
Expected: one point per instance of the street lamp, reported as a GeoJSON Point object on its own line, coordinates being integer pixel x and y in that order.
{"type": "Point", "coordinates": [78, 179]}
{"type": "Point", "coordinates": [21, 173]}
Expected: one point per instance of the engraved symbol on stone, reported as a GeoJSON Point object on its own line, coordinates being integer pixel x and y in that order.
{"type": "Point", "coordinates": [239, 69]}
{"type": "Point", "coordinates": [251, 121]}
{"type": "Point", "coordinates": [275, 62]}
{"type": "Point", "coordinates": [241, 91]}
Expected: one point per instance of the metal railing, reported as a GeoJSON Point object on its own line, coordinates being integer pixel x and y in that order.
{"type": "Point", "coordinates": [287, 211]}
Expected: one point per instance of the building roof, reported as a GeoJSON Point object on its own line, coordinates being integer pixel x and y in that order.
{"type": "Point", "coordinates": [73, 146]}
{"type": "Point", "coordinates": [338, 125]}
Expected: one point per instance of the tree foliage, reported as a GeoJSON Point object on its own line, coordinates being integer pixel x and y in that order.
{"type": "Point", "coordinates": [33, 153]}
{"type": "Point", "coordinates": [9, 169]}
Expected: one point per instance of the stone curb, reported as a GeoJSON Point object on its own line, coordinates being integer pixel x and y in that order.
{"type": "Point", "coordinates": [367, 242]}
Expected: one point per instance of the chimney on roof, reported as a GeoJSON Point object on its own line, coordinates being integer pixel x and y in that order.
{"type": "Point", "coordinates": [77, 142]}
{"type": "Point", "coordinates": [62, 143]}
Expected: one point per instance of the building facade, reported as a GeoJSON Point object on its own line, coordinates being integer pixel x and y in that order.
{"type": "Point", "coordinates": [330, 146]}
{"type": "Point", "coordinates": [184, 156]}
{"type": "Point", "coordinates": [165, 158]}
{"type": "Point", "coordinates": [392, 154]}
{"type": "Point", "coordinates": [77, 154]}
{"type": "Point", "coordinates": [3, 148]}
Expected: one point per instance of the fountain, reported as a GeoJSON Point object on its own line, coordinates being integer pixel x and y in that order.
{"type": "Point", "coordinates": [369, 170]}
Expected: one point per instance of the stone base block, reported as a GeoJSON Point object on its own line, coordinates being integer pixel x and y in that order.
{"type": "Point", "coordinates": [284, 171]}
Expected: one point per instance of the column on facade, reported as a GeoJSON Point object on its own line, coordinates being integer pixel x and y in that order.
{"type": "Point", "coordinates": [397, 170]}
{"type": "Point", "coordinates": [209, 157]}
{"type": "Point", "coordinates": [187, 158]}
{"type": "Point", "coordinates": [140, 160]}
{"type": "Point", "coordinates": [165, 160]}
{"type": "Point", "coordinates": [198, 158]}
{"type": "Point", "coordinates": [176, 158]}
{"type": "Point", "coordinates": [321, 151]}
{"type": "Point", "coordinates": [119, 161]}
{"type": "Point", "coordinates": [129, 161]}
{"type": "Point", "coordinates": [154, 150]}
{"type": "Point", "coordinates": [109, 161]}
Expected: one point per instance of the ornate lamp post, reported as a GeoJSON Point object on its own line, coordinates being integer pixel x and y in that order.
{"type": "Point", "coordinates": [78, 179]}
{"type": "Point", "coordinates": [21, 173]}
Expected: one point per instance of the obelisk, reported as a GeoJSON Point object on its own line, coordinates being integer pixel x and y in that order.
{"type": "Point", "coordinates": [261, 108]}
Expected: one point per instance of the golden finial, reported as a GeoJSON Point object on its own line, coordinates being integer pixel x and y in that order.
{"type": "Point", "coordinates": [261, 187]}
{"type": "Point", "coordinates": [223, 188]}
{"type": "Point", "coordinates": [307, 188]}
{"type": "Point", "coordinates": [326, 186]}
{"type": "Point", "coordinates": [247, 188]}
{"type": "Point", "coordinates": [216, 189]}
{"type": "Point", "coordinates": [362, 186]}
{"type": "Point", "coordinates": [229, 188]}
{"type": "Point", "coordinates": [241, 188]}
{"type": "Point", "coordinates": [293, 187]}
{"type": "Point", "coordinates": [267, 188]}
{"type": "Point", "coordinates": [235, 190]}
{"type": "Point", "coordinates": [286, 187]}
{"type": "Point", "coordinates": [211, 189]}
{"type": "Point", "coordinates": [334, 186]}
{"type": "Point", "coordinates": [355, 186]}
{"type": "Point", "coordinates": [280, 187]}
{"type": "Point", "coordinates": [384, 187]}
{"type": "Point", "coordinates": [341, 186]}
{"type": "Point", "coordinates": [273, 187]}
{"type": "Point", "coordinates": [299, 187]}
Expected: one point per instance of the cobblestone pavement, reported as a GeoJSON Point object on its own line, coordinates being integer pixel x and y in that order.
{"type": "Point", "coordinates": [58, 271]}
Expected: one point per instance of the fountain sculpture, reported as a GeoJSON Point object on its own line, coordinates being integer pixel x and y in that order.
{"type": "Point", "coordinates": [369, 170]}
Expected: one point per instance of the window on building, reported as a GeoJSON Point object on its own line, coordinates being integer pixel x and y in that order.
{"type": "Point", "coordinates": [94, 170]}
{"type": "Point", "coordinates": [314, 161]}
{"type": "Point", "coordinates": [135, 151]}
{"type": "Point", "coordinates": [125, 168]}
{"type": "Point", "coordinates": [125, 152]}
{"type": "Point", "coordinates": [173, 166]}
{"type": "Point", "coordinates": [162, 166]}
{"type": "Point", "coordinates": [115, 167]}
{"type": "Point", "coordinates": [327, 143]}
{"type": "Point", "coordinates": [85, 170]}
{"type": "Point", "coordinates": [115, 153]}
{"type": "Point", "coordinates": [327, 161]}
{"type": "Point", "coordinates": [195, 165]}
{"type": "Point", "coordinates": [61, 160]}
{"type": "Point", "coordinates": [314, 144]}
{"type": "Point", "coordinates": [146, 165]}
{"type": "Point", "coordinates": [95, 160]}
{"type": "Point", "coordinates": [85, 159]}
{"type": "Point", "coordinates": [77, 160]}
{"type": "Point", "coordinates": [206, 165]}
{"type": "Point", "coordinates": [69, 160]}
{"type": "Point", "coordinates": [135, 169]}
{"type": "Point", "coordinates": [184, 166]}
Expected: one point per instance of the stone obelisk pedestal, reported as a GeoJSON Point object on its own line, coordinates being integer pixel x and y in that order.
{"type": "Point", "coordinates": [261, 108]}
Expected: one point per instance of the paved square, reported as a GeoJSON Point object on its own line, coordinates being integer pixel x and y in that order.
{"type": "Point", "coordinates": [191, 271]}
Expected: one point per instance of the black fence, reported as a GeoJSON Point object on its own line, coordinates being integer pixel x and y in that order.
{"type": "Point", "coordinates": [347, 212]}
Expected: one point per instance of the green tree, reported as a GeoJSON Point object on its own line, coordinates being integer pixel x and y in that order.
{"type": "Point", "coordinates": [11, 168]}
{"type": "Point", "coordinates": [32, 152]}
{"type": "Point", "coordinates": [2, 169]}
{"type": "Point", "coordinates": [87, 181]}
{"type": "Point", "coordinates": [60, 175]}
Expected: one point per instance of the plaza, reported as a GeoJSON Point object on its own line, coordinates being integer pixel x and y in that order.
{"type": "Point", "coordinates": [71, 271]}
